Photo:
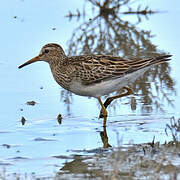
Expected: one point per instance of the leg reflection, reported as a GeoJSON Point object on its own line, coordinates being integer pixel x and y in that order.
{"type": "Point", "coordinates": [104, 138]}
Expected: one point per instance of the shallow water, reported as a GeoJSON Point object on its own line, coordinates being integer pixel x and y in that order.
{"type": "Point", "coordinates": [42, 145]}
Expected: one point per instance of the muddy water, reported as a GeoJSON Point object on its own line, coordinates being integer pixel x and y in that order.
{"type": "Point", "coordinates": [40, 142]}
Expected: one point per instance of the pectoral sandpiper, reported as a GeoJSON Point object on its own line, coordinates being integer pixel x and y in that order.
{"type": "Point", "coordinates": [94, 75]}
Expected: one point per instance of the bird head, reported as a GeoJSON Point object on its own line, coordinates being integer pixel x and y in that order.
{"type": "Point", "coordinates": [49, 53]}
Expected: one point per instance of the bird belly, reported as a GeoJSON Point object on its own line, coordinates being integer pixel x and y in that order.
{"type": "Point", "coordinates": [105, 87]}
{"type": "Point", "coordinates": [95, 90]}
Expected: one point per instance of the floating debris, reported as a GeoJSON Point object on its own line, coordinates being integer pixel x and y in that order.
{"type": "Point", "coordinates": [15, 17]}
{"type": "Point", "coordinates": [43, 139]}
{"type": "Point", "coordinates": [32, 103]}
{"type": "Point", "coordinates": [54, 29]}
{"type": "Point", "coordinates": [23, 120]}
{"type": "Point", "coordinates": [18, 158]}
{"type": "Point", "coordinates": [63, 157]}
{"type": "Point", "coordinates": [59, 118]}
{"type": "Point", "coordinates": [133, 104]}
{"type": "Point", "coordinates": [41, 87]}
{"type": "Point", "coordinates": [6, 145]}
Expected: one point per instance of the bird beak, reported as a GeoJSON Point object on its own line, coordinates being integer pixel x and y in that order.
{"type": "Point", "coordinates": [37, 58]}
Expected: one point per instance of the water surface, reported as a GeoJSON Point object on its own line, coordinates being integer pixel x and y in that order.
{"type": "Point", "coordinates": [42, 145]}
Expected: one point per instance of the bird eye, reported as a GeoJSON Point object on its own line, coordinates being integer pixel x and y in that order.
{"type": "Point", "coordinates": [46, 50]}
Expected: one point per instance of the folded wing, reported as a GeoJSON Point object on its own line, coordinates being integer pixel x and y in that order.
{"type": "Point", "coordinates": [97, 68]}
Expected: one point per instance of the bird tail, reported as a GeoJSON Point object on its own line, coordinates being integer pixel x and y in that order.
{"type": "Point", "coordinates": [147, 63]}
{"type": "Point", "coordinates": [160, 59]}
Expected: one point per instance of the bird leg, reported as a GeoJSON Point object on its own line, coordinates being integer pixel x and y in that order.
{"type": "Point", "coordinates": [103, 111]}
{"type": "Point", "coordinates": [110, 99]}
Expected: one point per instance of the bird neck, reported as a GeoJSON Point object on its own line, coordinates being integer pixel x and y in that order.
{"type": "Point", "coordinates": [57, 60]}
{"type": "Point", "coordinates": [58, 64]}
{"type": "Point", "coordinates": [60, 73]}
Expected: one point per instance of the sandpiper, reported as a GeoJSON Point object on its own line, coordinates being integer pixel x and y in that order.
{"type": "Point", "coordinates": [94, 75]}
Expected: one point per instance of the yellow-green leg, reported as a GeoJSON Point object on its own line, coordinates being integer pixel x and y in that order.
{"type": "Point", "coordinates": [103, 110]}
{"type": "Point", "coordinates": [110, 99]}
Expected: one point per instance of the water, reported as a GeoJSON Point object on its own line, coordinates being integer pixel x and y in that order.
{"type": "Point", "coordinates": [35, 146]}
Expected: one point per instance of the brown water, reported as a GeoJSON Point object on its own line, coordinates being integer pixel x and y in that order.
{"type": "Point", "coordinates": [44, 144]}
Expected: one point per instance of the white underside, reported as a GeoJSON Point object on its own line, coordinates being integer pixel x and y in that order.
{"type": "Point", "coordinates": [105, 87]}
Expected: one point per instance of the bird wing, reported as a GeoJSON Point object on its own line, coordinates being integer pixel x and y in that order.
{"type": "Point", "coordinates": [96, 68]}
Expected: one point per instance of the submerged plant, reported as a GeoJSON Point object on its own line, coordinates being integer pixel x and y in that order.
{"type": "Point", "coordinates": [174, 128]}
